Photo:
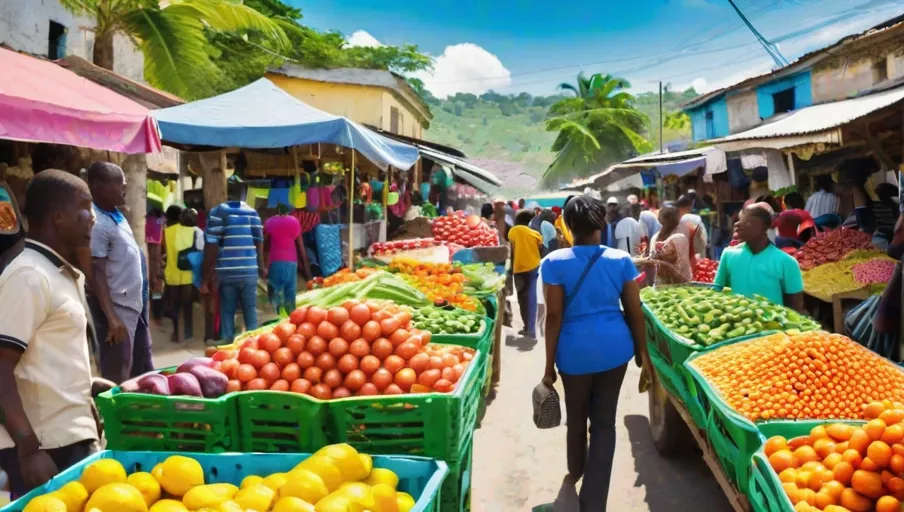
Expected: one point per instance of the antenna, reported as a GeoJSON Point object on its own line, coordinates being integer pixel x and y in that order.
{"type": "Point", "coordinates": [770, 48]}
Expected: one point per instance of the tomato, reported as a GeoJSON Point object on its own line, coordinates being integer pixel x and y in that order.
{"type": "Point", "coordinates": [279, 385]}
{"type": "Point", "coordinates": [295, 343]}
{"type": "Point", "coordinates": [305, 360]}
{"type": "Point", "coordinates": [233, 385]}
{"type": "Point", "coordinates": [250, 343]}
{"type": "Point", "coordinates": [316, 345]}
{"type": "Point", "coordinates": [359, 348]}
{"type": "Point", "coordinates": [269, 372]}
{"type": "Point", "coordinates": [223, 355]}
{"type": "Point", "coordinates": [406, 350]}
{"type": "Point", "coordinates": [443, 386]}
{"type": "Point", "coordinates": [368, 389]}
{"type": "Point", "coordinates": [381, 378]}
{"type": "Point", "coordinates": [349, 331]}
{"type": "Point", "coordinates": [325, 361]}
{"type": "Point", "coordinates": [347, 363]}
{"type": "Point", "coordinates": [322, 392]}
{"type": "Point", "coordinates": [382, 348]}
{"type": "Point", "coordinates": [338, 347]}
{"type": "Point", "coordinates": [393, 389]}
{"type": "Point", "coordinates": [370, 364]}
{"type": "Point", "coordinates": [355, 380]}
{"type": "Point", "coordinates": [398, 337]}
{"type": "Point", "coordinates": [327, 330]}
{"type": "Point", "coordinates": [350, 304]}
{"type": "Point", "coordinates": [246, 355]}
{"type": "Point", "coordinates": [291, 372]}
{"type": "Point", "coordinates": [297, 317]}
{"type": "Point", "coordinates": [436, 363]}
{"type": "Point", "coordinates": [282, 332]}
{"type": "Point", "coordinates": [418, 362]}
{"type": "Point", "coordinates": [332, 378]}
{"type": "Point", "coordinates": [283, 356]}
{"type": "Point", "coordinates": [306, 329]}
{"type": "Point", "coordinates": [300, 386]}
{"type": "Point", "coordinates": [371, 330]}
{"type": "Point", "coordinates": [228, 367]}
{"type": "Point", "coordinates": [245, 373]}
{"type": "Point", "coordinates": [429, 378]}
{"type": "Point", "coordinates": [341, 392]}
{"type": "Point", "coordinates": [260, 358]}
{"type": "Point", "coordinates": [315, 315]}
{"type": "Point", "coordinates": [389, 326]}
{"type": "Point", "coordinates": [257, 385]}
{"type": "Point", "coordinates": [394, 363]}
{"type": "Point", "coordinates": [337, 316]}
{"type": "Point", "coordinates": [360, 314]}
{"type": "Point", "coordinates": [449, 360]}
{"type": "Point", "coordinates": [313, 375]}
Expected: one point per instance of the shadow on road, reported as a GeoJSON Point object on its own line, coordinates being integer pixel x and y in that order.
{"type": "Point", "coordinates": [683, 481]}
{"type": "Point", "coordinates": [566, 500]}
{"type": "Point", "coordinates": [522, 343]}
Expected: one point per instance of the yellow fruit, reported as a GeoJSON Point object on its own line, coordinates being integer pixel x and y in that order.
{"type": "Point", "coordinates": [209, 495]}
{"type": "Point", "coordinates": [256, 497]}
{"type": "Point", "coordinates": [275, 481]}
{"type": "Point", "coordinates": [346, 460]}
{"type": "Point", "coordinates": [229, 506]}
{"type": "Point", "coordinates": [117, 497]}
{"type": "Point", "coordinates": [168, 506]}
{"type": "Point", "coordinates": [385, 498]}
{"type": "Point", "coordinates": [368, 462]}
{"type": "Point", "coordinates": [335, 502]}
{"type": "Point", "coordinates": [147, 485]}
{"type": "Point", "coordinates": [304, 484]}
{"type": "Point", "coordinates": [354, 490]}
{"type": "Point", "coordinates": [293, 504]}
{"type": "Point", "coordinates": [382, 476]}
{"type": "Point", "coordinates": [157, 472]}
{"type": "Point", "coordinates": [178, 474]}
{"type": "Point", "coordinates": [325, 468]}
{"type": "Point", "coordinates": [73, 495]}
{"type": "Point", "coordinates": [46, 503]}
{"type": "Point", "coordinates": [102, 472]}
{"type": "Point", "coordinates": [404, 501]}
{"type": "Point", "coordinates": [250, 480]}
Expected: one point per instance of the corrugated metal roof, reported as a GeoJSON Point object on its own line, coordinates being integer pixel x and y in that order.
{"type": "Point", "coordinates": [477, 177]}
{"type": "Point", "coordinates": [817, 119]}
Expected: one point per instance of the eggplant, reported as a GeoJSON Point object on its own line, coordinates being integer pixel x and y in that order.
{"type": "Point", "coordinates": [213, 383]}
{"type": "Point", "coordinates": [188, 365]}
{"type": "Point", "coordinates": [154, 384]}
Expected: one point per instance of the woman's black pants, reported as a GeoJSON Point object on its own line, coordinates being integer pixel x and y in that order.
{"type": "Point", "coordinates": [593, 397]}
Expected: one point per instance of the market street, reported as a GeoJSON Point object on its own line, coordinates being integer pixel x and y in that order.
{"type": "Point", "coordinates": [518, 467]}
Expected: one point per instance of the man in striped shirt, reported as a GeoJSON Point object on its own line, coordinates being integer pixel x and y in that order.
{"type": "Point", "coordinates": [233, 248]}
{"type": "Point", "coordinates": [823, 201]}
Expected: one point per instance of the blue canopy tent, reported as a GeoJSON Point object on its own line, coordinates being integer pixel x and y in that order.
{"type": "Point", "coordinates": [261, 115]}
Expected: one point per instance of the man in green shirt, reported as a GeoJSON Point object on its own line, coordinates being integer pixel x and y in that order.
{"type": "Point", "coordinates": [757, 266]}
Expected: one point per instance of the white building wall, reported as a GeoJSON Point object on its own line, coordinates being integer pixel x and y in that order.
{"type": "Point", "coordinates": [25, 26]}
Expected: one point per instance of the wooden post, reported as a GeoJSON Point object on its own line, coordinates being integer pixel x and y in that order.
{"type": "Point", "coordinates": [214, 178]}
{"type": "Point", "coordinates": [791, 168]}
{"type": "Point", "coordinates": [351, 215]}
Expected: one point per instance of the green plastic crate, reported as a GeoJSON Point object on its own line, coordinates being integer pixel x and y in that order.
{"type": "Point", "coordinates": [675, 385]}
{"type": "Point", "coordinates": [432, 425]}
{"type": "Point", "coordinates": [456, 492]}
{"type": "Point", "coordinates": [273, 421]}
{"type": "Point", "coordinates": [134, 421]}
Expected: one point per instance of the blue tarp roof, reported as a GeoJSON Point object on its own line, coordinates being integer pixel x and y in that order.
{"type": "Point", "coordinates": [261, 115]}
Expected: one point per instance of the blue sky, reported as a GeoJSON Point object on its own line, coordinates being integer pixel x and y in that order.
{"type": "Point", "coordinates": [531, 45]}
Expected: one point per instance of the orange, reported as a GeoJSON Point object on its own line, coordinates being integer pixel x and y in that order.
{"type": "Point", "coordinates": [888, 504]}
{"type": "Point", "coordinates": [840, 431]}
{"type": "Point", "coordinates": [788, 476]}
{"type": "Point", "coordinates": [880, 453]}
{"type": "Point", "coordinates": [824, 447]}
{"type": "Point", "coordinates": [873, 410]}
{"type": "Point", "coordinates": [774, 444]}
{"type": "Point", "coordinates": [854, 502]}
{"type": "Point", "coordinates": [875, 428]}
{"type": "Point", "coordinates": [893, 433]}
{"type": "Point", "coordinates": [823, 500]}
{"type": "Point", "coordinates": [833, 488]}
{"type": "Point", "coordinates": [782, 460]}
{"type": "Point", "coordinates": [896, 464]}
{"type": "Point", "coordinates": [852, 457]}
{"type": "Point", "coordinates": [843, 472]}
{"type": "Point", "coordinates": [806, 454]}
{"type": "Point", "coordinates": [859, 441]}
{"type": "Point", "coordinates": [867, 483]}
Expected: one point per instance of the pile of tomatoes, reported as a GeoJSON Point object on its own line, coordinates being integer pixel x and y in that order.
{"type": "Point", "coordinates": [705, 271]}
{"type": "Point", "coordinates": [466, 230]}
{"type": "Point", "coordinates": [359, 348]}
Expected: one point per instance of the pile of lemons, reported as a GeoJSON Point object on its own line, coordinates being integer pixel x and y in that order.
{"type": "Point", "coordinates": [335, 479]}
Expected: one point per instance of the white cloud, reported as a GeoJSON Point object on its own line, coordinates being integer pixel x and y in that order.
{"type": "Point", "coordinates": [465, 67]}
{"type": "Point", "coordinates": [363, 38]}
{"type": "Point", "coordinates": [699, 84]}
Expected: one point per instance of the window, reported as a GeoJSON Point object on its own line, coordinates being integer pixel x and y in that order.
{"type": "Point", "coordinates": [880, 70]}
{"type": "Point", "coordinates": [56, 41]}
{"type": "Point", "coordinates": [394, 120]}
{"type": "Point", "coordinates": [783, 101]}
{"type": "Point", "coordinates": [710, 125]}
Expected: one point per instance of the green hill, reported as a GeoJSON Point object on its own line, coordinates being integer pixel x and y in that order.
{"type": "Point", "coordinates": [511, 130]}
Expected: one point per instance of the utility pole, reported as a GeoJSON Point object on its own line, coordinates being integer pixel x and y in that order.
{"type": "Point", "coordinates": [661, 120]}
{"type": "Point", "coordinates": [770, 48]}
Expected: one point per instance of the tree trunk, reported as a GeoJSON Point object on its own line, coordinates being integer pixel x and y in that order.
{"type": "Point", "coordinates": [214, 181]}
{"type": "Point", "coordinates": [103, 50]}
{"type": "Point", "coordinates": [135, 168]}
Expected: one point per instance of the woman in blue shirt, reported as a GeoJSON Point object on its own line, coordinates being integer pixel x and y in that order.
{"type": "Point", "coordinates": [591, 340]}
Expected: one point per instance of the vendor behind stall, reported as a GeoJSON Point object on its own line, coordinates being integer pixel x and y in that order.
{"type": "Point", "coordinates": [757, 266]}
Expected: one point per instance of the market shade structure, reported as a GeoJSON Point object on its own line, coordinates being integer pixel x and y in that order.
{"type": "Point", "coordinates": [477, 177]}
{"type": "Point", "coordinates": [817, 124]}
{"type": "Point", "coordinates": [681, 163]}
{"type": "Point", "coordinates": [43, 102]}
{"type": "Point", "coordinates": [261, 115]}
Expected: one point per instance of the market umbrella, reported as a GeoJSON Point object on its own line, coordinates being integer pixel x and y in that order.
{"type": "Point", "coordinates": [43, 102]}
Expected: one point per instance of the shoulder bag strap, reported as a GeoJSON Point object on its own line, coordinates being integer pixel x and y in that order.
{"type": "Point", "coordinates": [593, 258]}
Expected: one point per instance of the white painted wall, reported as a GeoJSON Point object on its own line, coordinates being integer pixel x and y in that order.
{"type": "Point", "coordinates": [25, 24]}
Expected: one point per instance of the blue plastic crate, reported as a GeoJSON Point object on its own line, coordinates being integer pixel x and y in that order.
{"type": "Point", "coordinates": [420, 477]}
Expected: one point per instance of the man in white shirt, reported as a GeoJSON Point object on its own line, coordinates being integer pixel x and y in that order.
{"type": "Point", "coordinates": [823, 201]}
{"type": "Point", "coordinates": [49, 422]}
{"type": "Point", "coordinates": [691, 225]}
{"type": "Point", "coordinates": [623, 233]}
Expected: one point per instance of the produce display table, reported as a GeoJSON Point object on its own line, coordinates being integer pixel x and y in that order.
{"type": "Point", "coordinates": [837, 304]}
{"type": "Point", "coordinates": [497, 338]}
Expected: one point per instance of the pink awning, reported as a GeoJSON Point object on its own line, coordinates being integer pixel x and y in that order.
{"type": "Point", "coordinates": [43, 102]}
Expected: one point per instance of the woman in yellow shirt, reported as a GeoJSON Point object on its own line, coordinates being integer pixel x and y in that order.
{"type": "Point", "coordinates": [560, 225]}
{"type": "Point", "coordinates": [178, 293]}
{"type": "Point", "coordinates": [526, 256]}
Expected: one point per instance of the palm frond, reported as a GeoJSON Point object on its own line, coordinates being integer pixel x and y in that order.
{"type": "Point", "coordinates": [568, 87]}
{"type": "Point", "coordinates": [230, 15]}
{"type": "Point", "coordinates": [576, 130]}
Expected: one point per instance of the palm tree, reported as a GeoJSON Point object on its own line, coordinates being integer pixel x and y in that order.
{"type": "Point", "coordinates": [599, 125]}
{"type": "Point", "coordinates": [171, 35]}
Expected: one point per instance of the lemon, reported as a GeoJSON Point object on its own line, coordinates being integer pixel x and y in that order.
{"type": "Point", "coordinates": [325, 468]}
{"type": "Point", "coordinates": [354, 490]}
{"type": "Point", "coordinates": [229, 506]}
{"type": "Point", "coordinates": [178, 474]}
{"type": "Point", "coordinates": [304, 484]}
{"type": "Point", "coordinates": [382, 476]}
{"type": "Point", "coordinates": [335, 502]}
{"type": "Point", "coordinates": [385, 499]}
{"type": "Point", "coordinates": [346, 460]}
{"type": "Point", "coordinates": [102, 472]}
{"type": "Point", "coordinates": [168, 506]}
{"type": "Point", "coordinates": [256, 497]}
{"type": "Point", "coordinates": [157, 472]}
{"type": "Point", "coordinates": [147, 485]}
{"type": "Point", "coordinates": [293, 504]}
{"type": "Point", "coordinates": [117, 497]}
{"type": "Point", "coordinates": [368, 462]}
{"type": "Point", "coordinates": [251, 480]}
{"type": "Point", "coordinates": [73, 495]}
{"type": "Point", "coordinates": [46, 503]}
{"type": "Point", "coordinates": [209, 495]}
{"type": "Point", "coordinates": [404, 501]}
{"type": "Point", "coordinates": [275, 481]}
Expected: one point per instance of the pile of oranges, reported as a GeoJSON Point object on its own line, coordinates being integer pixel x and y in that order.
{"type": "Point", "coordinates": [813, 375]}
{"type": "Point", "coordinates": [342, 276]}
{"type": "Point", "coordinates": [359, 348]}
{"type": "Point", "coordinates": [845, 468]}
{"type": "Point", "coordinates": [438, 281]}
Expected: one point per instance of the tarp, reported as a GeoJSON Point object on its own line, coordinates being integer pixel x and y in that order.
{"type": "Point", "coordinates": [261, 115]}
{"type": "Point", "coordinates": [666, 164]}
{"type": "Point", "coordinates": [817, 124]}
{"type": "Point", "coordinates": [43, 102]}
{"type": "Point", "coordinates": [471, 174]}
